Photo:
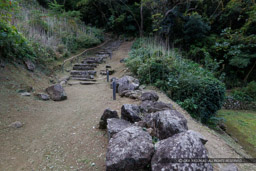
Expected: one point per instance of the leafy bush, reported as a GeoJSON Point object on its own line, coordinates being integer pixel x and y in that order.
{"type": "Point", "coordinates": [13, 44]}
{"type": "Point", "coordinates": [193, 87]}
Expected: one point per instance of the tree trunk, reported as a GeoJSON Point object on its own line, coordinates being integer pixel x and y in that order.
{"type": "Point", "coordinates": [247, 76]}
{"type": "Point", "coordinates": [141, 20]}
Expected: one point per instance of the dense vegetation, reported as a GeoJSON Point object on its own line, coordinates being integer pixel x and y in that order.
{"type": "Point", "coordinates": [194, 88]}
{"type": "Point", "coordinates": [217, 34]}
{"type": "Point", "coordinates": [28, 31]}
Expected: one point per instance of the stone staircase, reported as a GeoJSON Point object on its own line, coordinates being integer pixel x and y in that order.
{"type": "Point", "coordinates": [85, 73]}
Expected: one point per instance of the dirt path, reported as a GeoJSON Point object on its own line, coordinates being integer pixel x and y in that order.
{"type": "Point", "coordinates": [64, 135]}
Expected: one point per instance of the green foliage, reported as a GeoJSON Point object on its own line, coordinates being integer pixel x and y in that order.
{"type": "Point", "coordinates": [55, 7]}
{"type": "Point", "coordinates": [37, 21]}
{"type": "Point", "coordinates": [193, 87]}
{"type": "Point", "coordinates": [195, 28]}
{"type": "Point", "coordinates": [43, 35]}
{"type": "Point", "coordinates": [245, 94]}
{"type": "Point", "coordinates": [7, 7]}
{"type": "Point", "coordinates": [121, 17]}
{"type": "Point", "coordinates": [237, 51]}
{"type": "Point", "coordinates": [84, 40]}
{"type": "Point", "coordinates": [13, 44]}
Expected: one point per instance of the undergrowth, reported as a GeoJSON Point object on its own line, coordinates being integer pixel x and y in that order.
{"type": "Point", "coordinates": [193, 87]}
{"type": "Point", "coordinates": [43, 35]}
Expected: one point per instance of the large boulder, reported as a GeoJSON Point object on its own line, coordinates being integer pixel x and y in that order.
{"type": "Point", "coordinates": [129, 150]}
{"type": "Point", "coordinates": [56, 92]}
{"type": "Point", "coordinates": [151, 96]}
{"type": "Point", "coordinates": [153, 106]}
{"type": "Point", "coordinates": [132, 94]}
{"type": "Point", "coordinates": [186, 145]}
{"type": "Point", "coordinates": [107, 114]}
{"type": "Point", "coordinates": [127, 83]}
{"type": "Point", "coordinates": [116, 125]}
{"type": "Point", "coordinates": [166, 123]}
{"type": "Point", "coordinates": [130, 113]}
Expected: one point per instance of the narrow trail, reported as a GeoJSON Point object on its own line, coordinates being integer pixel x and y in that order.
{"type": "Point", "coordinates": [64, 135]}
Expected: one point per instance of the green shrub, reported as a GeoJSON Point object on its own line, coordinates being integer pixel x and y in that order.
{"type": "Point", "coordinates": [194, 88]}
{"type": "Point", "coordinates": [12, 44]}
{"type": "Point", "coordinates": [245, 94]}
{"type": "Point", "coordinates": [250, 89]}
{"type": "Point", "coordinates": [86, 41]}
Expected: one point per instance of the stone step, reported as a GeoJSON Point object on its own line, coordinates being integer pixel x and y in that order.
{"type": "Point", "coordinates": [85, 68]}
{"type": "Point", "coordinates": [87, 83]}
{"type": "Point", "coordinates": [87, 61]}
{"type": "Point", "coordinates": [73, 83]}
{"type": "Point", "coordinates": [82, 76]}
{"type": "Point", "coordinates": [94, 60]}
{"type": "Point", "coordinates": [75, 73]}
{"type": "Point", "coordinates": [103, 52]}
{"type": "Point", "coordinates": [82, 79]}
{"type": "Point", "coordinates": [86, 65]}
{"type": "Point", "coordinates": [106, 55]}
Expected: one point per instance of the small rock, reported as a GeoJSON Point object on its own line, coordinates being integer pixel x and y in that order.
{"type": "Point", "coordinates": [25, 89]}
{"type": "Point", "coordinates": [52, 80]}
{"type": "Point", "coordinates": [151, 96]}
{"type": "Point", "coordinates": [64, 79]}
{"type": "Point", "coordinates": [122, 60]}
{"type": "Point", "coordinates": [21, 91]}
{"type": "Point", "coordinates": [62, 83]}
{"type": "Point", "coordinates": [42, 96]}
{"type": "Point", "coordinates": [30, 65]}
{"type": "Point", "coordinates": [222, 126]}
{"type": "Point", "coordinates": [16, 124]}
{"type": "Point", "coordinates": [130, 113]}
{"type": "Point", "coordinates": [25, 94]}
{"type": "Point", "coordinates": [56, 92]}
{"type": "Point", "coordinates": [107, 114]}
{"type": "Point", "coordinates": [230, 167]}
{"type": "Point", "coordinates": [116, 125]}
{"type": "Point", "coordinates": [142, 87]}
